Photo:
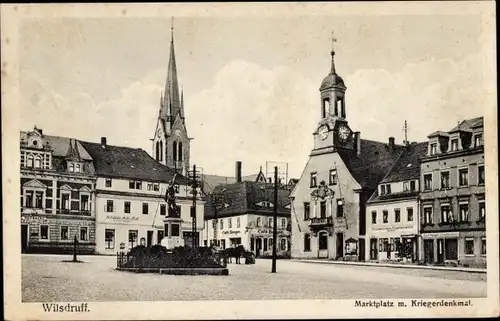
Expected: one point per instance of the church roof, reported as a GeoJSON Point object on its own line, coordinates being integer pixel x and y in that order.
{"type": "Point", "coordinates": [373, 163]}
{"type": "Point", "coordinates": [245, 197]}
{"type": "Point", "coordinates": [126, 162]}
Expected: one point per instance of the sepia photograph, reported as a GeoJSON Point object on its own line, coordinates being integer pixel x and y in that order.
{"type": "Point", "coordinates": [214, 161]}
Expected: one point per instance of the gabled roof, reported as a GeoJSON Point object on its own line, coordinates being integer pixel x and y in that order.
{"type": "Point", "coordinates": [373, 163]}
{"type": "Point", "coordinates": [126, 162]}
{"type": "Point", "coordinates": [243, 197]}
{"type": "Point", "coordinates": [468, 124]}
{"type": "Point", "coordinates": [438, 133]}
{"type": "Point", "coordinates": [408, 164]}
{"type": "Point", "coordinates": [212, 181]}
{"type": "Point", "coordinates": [60, 145]}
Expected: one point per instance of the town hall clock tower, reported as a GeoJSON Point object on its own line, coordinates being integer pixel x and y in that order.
{"type": "Point", "coordinates": [333, 132]}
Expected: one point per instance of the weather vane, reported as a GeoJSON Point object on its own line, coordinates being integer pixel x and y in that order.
{"type": "Point", "coordinates": [334, 40]}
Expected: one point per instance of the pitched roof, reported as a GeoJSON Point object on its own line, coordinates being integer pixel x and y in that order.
{"type": "Point", "coordinates": [60, 145]}
{"type": "Point", "coordinates": [468, 124]}
{"type": "Point", "coordinates": [212, 181]}
{"type": "Point", "coordinates": [243, 197]}
{"type": "Point", "coordinates": [373, 163]}
{"type": "Point", "coordinates": [438, 133]}
{"type": "Point", "coordinates": [408, 164]}
{"type": "Point", "coordinates": [126, 162]}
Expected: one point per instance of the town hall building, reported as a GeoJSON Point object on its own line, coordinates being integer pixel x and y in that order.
{"type": "Point", "coordinates": [343, 170]}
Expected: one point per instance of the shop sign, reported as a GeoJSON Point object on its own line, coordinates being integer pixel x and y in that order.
{"type": "Point", "coordinates": [230, 232]}
{"type": "Point", "coordinates": [32, 219]}
{"type": "Point", "coordinates": [392, 228]}
{"type": "Point", "coordinates": [443, 234]}
{"type": "Point", "coordinates": [123, 219]}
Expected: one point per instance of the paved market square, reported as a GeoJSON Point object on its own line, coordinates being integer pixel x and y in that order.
{"type": "Point", "coordinates": [45, 278]}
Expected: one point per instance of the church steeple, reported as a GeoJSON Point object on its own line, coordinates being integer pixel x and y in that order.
{"type": "Point", "coordinates": [171, 103]}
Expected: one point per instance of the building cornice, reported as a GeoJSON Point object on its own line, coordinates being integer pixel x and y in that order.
{"type": "Point", "coordinates": [142, 195]}
{"type": "Point", "coordinates": [448, 155]}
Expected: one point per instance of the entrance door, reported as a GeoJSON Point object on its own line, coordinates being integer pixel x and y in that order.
{"type": "Point", "coordinates": [451, 249]}
{"type": "Point", "coordinates": [373, 249]}
{"type": "Point", "coordinates": [258, 247]}
{"type": "Point", "coordinates": [362, 250]}
{"type": "Point", "coordinates": [24, 238]}
{"type": "Point", "coordinates": [440, 254]}
{"type": "Point", "coordinates": [389, 248]}
{"type": "Point", "coordinates": [340, 245]}
{"type": "Point", "coordinates": [160, 236]}
{"type": "Point", "coordinates": [322, 245]}
{"type": "Point", "coordinates": [428, 251]}
{"type": "Point", "coordinates": [149, 240]}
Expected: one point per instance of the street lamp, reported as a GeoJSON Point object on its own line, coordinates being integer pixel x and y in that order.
{"type": "Point", "coordinates": [218, 203]}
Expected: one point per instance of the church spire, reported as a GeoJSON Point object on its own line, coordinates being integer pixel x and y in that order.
{"type": "Point", "coordinates": [171, 99]}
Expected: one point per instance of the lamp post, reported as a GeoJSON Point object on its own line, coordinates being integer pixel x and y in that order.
{"type": "Point", "coordinates": [218, 203]}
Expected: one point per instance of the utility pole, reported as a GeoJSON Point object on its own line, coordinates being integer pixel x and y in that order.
{"type": "Point", "coordinates": [193, 209]}
{"type": "Point", "coordinates": [405, 128]}
{"type": "Point", "coordinates": [275, 219]}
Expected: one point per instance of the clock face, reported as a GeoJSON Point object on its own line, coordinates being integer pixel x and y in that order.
{"type": "Point", "coordinates": [323, 132]}
{"type": "Point", "coordinates": [344, 132]}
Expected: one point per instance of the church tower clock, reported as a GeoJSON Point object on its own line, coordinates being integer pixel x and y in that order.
{"type": "Point", "coordinates": [171, 143]}
{"type": "Point", "coordinates": [333, 131]}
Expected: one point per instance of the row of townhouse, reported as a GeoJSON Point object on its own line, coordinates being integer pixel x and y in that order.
{"type": "Point", "coordinates": [109, 198]}
{"type": "Point", "coordinates": [430, 207]}
{"type": "Point", "coordinates": [365, 200]}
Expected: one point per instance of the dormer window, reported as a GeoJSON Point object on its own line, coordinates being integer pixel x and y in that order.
{"type": "Point", "coordinates": [71, 168]}
{"type": "Point", "coordinates": [433, 149]}
{"type": "Point", "coordinates": [406, 186]}
{"type": "Point", "coordinates": [454, 145]}
{"type": "Point", "coordinates": [478, 140]}
{"type": "Point", "coordinates": [77, 168]}
{"type": "Point", "coordinates": [382, 189]}
{"type": "Point", "coordinates": [38, 162]}
{"type": "Point", "coordinates": [29, 163]}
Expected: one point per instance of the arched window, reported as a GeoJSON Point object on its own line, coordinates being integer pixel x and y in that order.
{"type": "Point", "coordinates": [283, 244]}
{"type": "Point", "coordinates": [174, 148]}
{"type": "Point", "coordinates": [71, 168]}
{"type": "Point", "coordinates": [77, 168]}
{"type": "Point", "coordinates": [157, 154]}
{"type": "Point", "coordinates": [161, 151]}
{"type": "Point", "coordinates": [180, 151]}
{"type": "Point", "coordinates": [38, 162]}
{"type": "Point", "coordinates": [30, 161]}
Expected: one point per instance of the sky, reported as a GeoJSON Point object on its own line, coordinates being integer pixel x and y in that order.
{"type": "Point", "coordinates": [251, 84]}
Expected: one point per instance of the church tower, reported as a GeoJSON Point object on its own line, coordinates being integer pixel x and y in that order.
{"type": "Point", "coordinates": [333, 132]}
{"type": "Point", "coordinates": [171, 142]}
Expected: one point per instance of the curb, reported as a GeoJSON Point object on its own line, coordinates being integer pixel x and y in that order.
{"type": "Point", "coordinates": [396, 266]}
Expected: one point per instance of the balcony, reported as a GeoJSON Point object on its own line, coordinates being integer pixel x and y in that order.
{"type": "Point", "coordinates": [321, 221]}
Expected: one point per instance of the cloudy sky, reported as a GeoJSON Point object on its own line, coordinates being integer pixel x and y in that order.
{"type": "Point", "coordinates": [250, 84]}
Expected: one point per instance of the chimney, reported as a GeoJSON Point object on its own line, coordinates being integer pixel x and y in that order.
{"type": "Point", "coordinates": [40, 131]}
{"type": "Point", "coordinates": [103, 142]}
{"type": "Point", "coordinates": [391, 142]}
{"type": "Point", "coordinates": [238, 172]}
{"type": "Point", "coordinates": [357, 142]}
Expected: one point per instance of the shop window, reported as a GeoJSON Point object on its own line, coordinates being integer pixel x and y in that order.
{"type": "Point", "coordinates": [126, 207]}
{"type": "Point", "coordinates": [397, 215]}
{"type": "Point", "coordinates": [84, 233]}
{"type": "Point", "coordinates": [374, 217]}
{"type": "Point", "coordinates": [132, 238]}
{"type": "Point", "coordinates": [283, 245]}
{"type": "Point", "coordinates": [307, 243]}
{"type": "Point", "coordinates": [64, 233]}
{"type": "Point", "coordinates": [109, 239]}
{"type": "Point", "coordinates": [469, 246]}
{"type": "Point", "coordinates": [44, 232]}
{"type": "Point", "coordinates": [385, 216]}
{"type": "Point", "coordinates": [409, 214]}
{"type": "Point", "coordinates": [307, 211]}
{"type": "Point", "coordinates": [175, 230]}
